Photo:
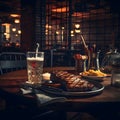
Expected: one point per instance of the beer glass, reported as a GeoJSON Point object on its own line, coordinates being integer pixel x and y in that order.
{"type": "Point", "coordinates": [35, 62]}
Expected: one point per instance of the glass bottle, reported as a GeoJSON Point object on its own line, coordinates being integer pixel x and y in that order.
{"type": "Point", "coordinates": [94, 61]}
{"type": "Point", "coordinates": [115, 78]}
{"type": "Point", "coordinates": [80, 62]}
{"type": "Point", "coordinates": [109, 59]}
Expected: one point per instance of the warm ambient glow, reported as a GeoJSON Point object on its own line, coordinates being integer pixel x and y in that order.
{"type": "Point", "coordinates": [72, 33]}
{"type": "Point", "coordinates": [14, 15]}
{"type": "Point", "coordinates": [59, 10]}
{"type": "Point", "coordinates": [57, 32]}
{"type": "Point", "coordinates": [16, 35]}
{"type": "Point", "coordinates": [77, 25]}
{"type": "Point", "coordinates": [6, 24]}
{"type": "Point", "coordinates": [48, 26]}
{"type": "Point", "coordinates": [62, 28]}
{"type": "Point", "coordinates": [7, 30]}
{"type": "Point", "coordinates": [13, 29]}
{"type": "Point", "coordinates": [19, 31]}
{"type": "Point", "coordinates": [77, 28]}
{"type": "Point", "coordinates": [16, 21]}
{"type": "Point", "coordinates": [81, 15]}
{"type": "Point", "coordinates": [77, 31]}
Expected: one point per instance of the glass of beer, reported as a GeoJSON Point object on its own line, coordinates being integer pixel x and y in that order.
{"type": "Point", "coordinates": [35, 62]}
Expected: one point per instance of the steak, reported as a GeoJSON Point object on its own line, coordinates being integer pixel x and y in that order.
{"type": "Point", "coordinates": [72, 82]}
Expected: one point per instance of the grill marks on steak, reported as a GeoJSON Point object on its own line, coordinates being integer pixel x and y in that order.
{"type": "Point", "coordinates": [73, 82]}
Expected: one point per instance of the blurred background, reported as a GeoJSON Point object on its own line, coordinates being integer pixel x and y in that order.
{"type": "Point", "coordinates": [58, 25]}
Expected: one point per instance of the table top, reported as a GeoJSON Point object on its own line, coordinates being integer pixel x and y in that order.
{"type": "Point", "coordinates": [110, 96]}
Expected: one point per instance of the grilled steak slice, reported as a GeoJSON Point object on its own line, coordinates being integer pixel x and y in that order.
{"type": "Point", "coordinates": [72, 82]}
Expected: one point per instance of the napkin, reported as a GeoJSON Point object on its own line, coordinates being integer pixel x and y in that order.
{"type": "Point", "coordinates": [42, 98]}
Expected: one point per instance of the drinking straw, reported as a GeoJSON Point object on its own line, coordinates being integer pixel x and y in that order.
{"type": "Point", "coordinates": [86, 47]}
{"type": "Point", "coordinates": [37, 49]}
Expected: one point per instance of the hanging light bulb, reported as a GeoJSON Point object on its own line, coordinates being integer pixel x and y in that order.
{"type": "Point", "coordinates": [72, 33]}
{"type": "Point", "coordinates": [16, 21]}
{"type": "Point", "coordinates": [77, 25]}
{"type": "Point", "coordinates": [19, 31]}
{"type": "Point", "coordinates": [13, 29]}
{"type": "Point", "coordinates": [77, 28]}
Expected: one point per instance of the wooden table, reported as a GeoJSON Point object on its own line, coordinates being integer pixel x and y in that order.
{"type": "Point", "coordinates": [107, 101]}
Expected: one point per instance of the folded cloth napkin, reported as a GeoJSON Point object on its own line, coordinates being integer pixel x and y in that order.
{"type": "Point", "coordinates": [24, 91]}
{"type": "Point", "coordinates": [42, 97]}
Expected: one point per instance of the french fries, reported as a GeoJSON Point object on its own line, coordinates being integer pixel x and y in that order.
{"type": "Point", "coordinates": [91, 72]}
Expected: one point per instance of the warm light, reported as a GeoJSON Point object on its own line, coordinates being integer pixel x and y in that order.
{"type": "Point", "coordinates": [77, 41]}
{"type": "Point", "coordinates": [81, 14]}
{"type": "Point", "coordinates": [48, 26]}
{"type": "Point", "coordinates": [77, 25]}
{"type": "Point", "coordinates": [59, 10]}
{"type": "Point", "coordinates": [5, 33]}
{"type": "Point", "coordinates": [77, 28]}
{"type": "Point", "coordinates": [18, 44]}
{"type": "Point", "coordinates": [62, 28]}
{"type": "Point", "coordinates": [19, 31]}
{"type": "Point", "coordinates": [17, 21]}
{"type": "Point", "coordinates": [6, 24]}
{"type": "Point", "coordinates": [14, 15]}
{"type": "Point", "coordinates": [72, 33]}
{"type": "Point", "coordinates": [16, 35]}
{"type": "Point", "coordinates": [13, 29]}
{"type": "Point", "coordinates": [57, 32]}
{"type": "Point", "coordinates": [77, 31]}
{"type": "Point", "coordinates": [7, 30]}
{"type": "Point", "coordinates": [46, 32]}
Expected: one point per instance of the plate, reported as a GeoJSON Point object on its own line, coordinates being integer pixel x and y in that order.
{"type": "Point", "coordinates": [97, 78]}
{"type": "Point", "coordinates": [97, 89]}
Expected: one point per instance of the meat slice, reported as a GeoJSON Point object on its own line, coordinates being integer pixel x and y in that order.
{"type": "Point", "coordinates": [73, 82]}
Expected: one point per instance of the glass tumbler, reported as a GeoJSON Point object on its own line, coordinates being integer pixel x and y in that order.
{"type": "Point", "coordinates": [115, 78]}
{"type": "Point", "coordinates": [35, 67]}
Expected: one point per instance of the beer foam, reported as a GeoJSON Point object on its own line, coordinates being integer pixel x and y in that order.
{"type": "Point", "coordinates": [36, 59]}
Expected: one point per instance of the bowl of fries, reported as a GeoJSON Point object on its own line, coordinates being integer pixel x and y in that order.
{"type": "Point", "coordinates": [94, 74]}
